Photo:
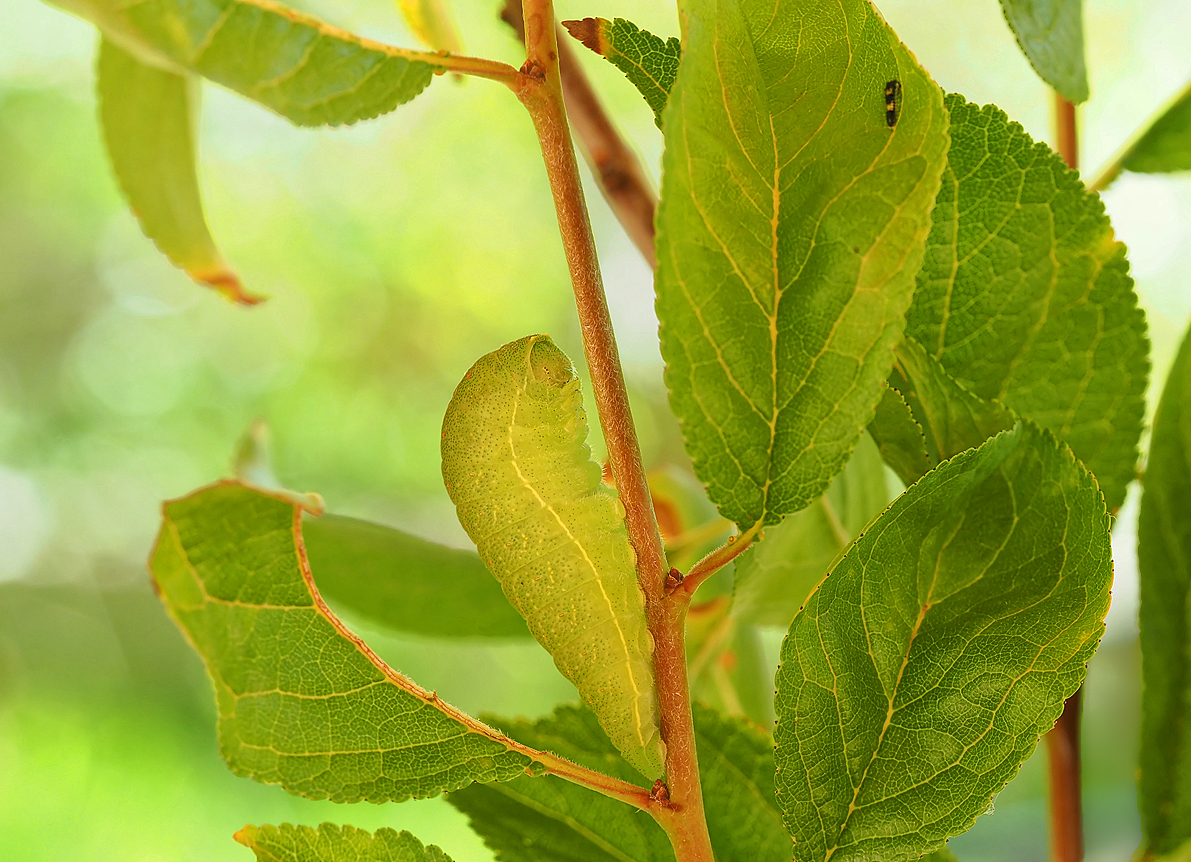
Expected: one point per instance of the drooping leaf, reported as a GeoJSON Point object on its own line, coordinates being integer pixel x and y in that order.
{"type": "Point", "coordinates": [546, 819]}
{"type": "Point", "coordinates": [302, 702]}
{"type": "Point", "coordinates": [1050, 33]}
{"type": "Point", "coordinates": [517, 467]}
{"type": "Point", "coordinates": [947, 418]}
{"type": "Point", "coordinates": [1025, 297]}
{"type": "Point", "coordinates": [432, 23]}
{"type": "Point", "coordinates": [148, 117]}
{"type": "Point", "coordinates": [791, 220]}
{"type": "Point", "coordinates": [1166, 145]}
{"type": "Point", "coordinates": [304, 69]}
{"type": "Point", "coordinates": [941, 646]}
{"type": "Point", "coordinates": [1164, 562]}
{"type": "Point", "coordinates": [648, 61]}
{"type": "Point", "coordinates": [330, 843]}
{"type": "Point", "coordinates": [406, 583]}
{"type": "Point", "coordinates": [940, 855]}
{"type": "Point", "coordinates": [774, 577]}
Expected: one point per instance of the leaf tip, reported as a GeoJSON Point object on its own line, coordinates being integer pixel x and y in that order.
{"type": "Point", "coordinates": [586, 31]}
{"type": "Point", "coordinates": [228, 285]}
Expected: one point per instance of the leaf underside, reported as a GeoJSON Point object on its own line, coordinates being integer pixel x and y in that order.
{"type": "Point", "coordinates": [1164, 561]}
{"type": "Point", "coordinates": [330, 843]}
{"type": "Point", "coordinates": [147, 115]}
{"type": "Point", "coordinates": [547, 819]}
{"type": "Point", "coordinates": [942, 645]}
{"type": "Point", "coordinates": [1166, 145]}
{"type": "Point", "coordinates": [791, 220]}
{"type": "Point", "coordinates": [307, 71]}
{"type": "Point", "coordinates": [405, 583]}
{"type": "Point", "coordinates": [301, 701]}
{"type": "Point", "coordinates": [1025, 296]}
{"type": "Point", "coordinates": [1050, 34]}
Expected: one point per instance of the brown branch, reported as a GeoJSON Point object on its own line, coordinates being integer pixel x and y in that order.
{"type": "Point", "coordinates": [540, 91]}
{"type": "Point", "coordinates": [618, 171]}
{"type": "Point", "coordinates": [1062, 743]}
{"type": "Point", "coordinates": [1066, 807]}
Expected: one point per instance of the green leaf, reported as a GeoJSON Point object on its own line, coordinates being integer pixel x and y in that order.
{"type": "Point", "coordinates": [648, 61]}
{"type": "Point", "coordinates": [148, 118]}
{"type": "Point", "coordinates": [947, 418]}
{"type": "Point", "coordinates": [1025, 297]}
{"type": "Point", "coordinates": [405, 583]}
{"type": "Point", "coordinates": [303, 702]}
{"type": "Point", "coordinates": [940, 855]}
{"type": "Point", "coordinates": [774, 577]}
{"type": "Point", "coordinates": [1164, 561]}
{"type": "Point", "coordinates": [792, 219]}
{"type": "Point", "coordinates": [899, 438]}
{"type": "Point", "coordinates": [330, 843]}
{"type": "Point", "coordinates": [736, 770]}
{"type": "Point", "coordinates": [1166, 144]}
{"type": "Point", "coordinates": [432, 23]}
{"type": "Point", "coordinates": [546, 819]}
{"type": "Point", "coordinates": [302, 68]}
{"type": "Point", "coordinates": [939, 649]}
{"type": "Point", "coordinates": [1050, 33]}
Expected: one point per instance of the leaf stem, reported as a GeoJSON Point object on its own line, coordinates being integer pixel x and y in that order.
{"type": "Point", "coordinates": [540, 90]}
{"type": "Point", "coordinates": [717, 559]}
{"type": "Point", "coordinates": [628, 793]}
{"type": "Point", "coordinates": [1062, 742]}
{"type": "Point", "coordinates": [620, 174]}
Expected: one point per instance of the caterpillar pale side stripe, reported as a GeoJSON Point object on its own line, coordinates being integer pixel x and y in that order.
{"type": "Point", "coordinates": [517, 467]}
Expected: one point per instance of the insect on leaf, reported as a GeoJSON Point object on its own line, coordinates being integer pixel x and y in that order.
{"type": "Point", "coordinates": [148, 118]}
{"type": "Point", "coordinates": [937, 651]}
{"type": "Point", "coordinates": [792, 219]}
{"type": "Point", "coordinates": [517, 467]}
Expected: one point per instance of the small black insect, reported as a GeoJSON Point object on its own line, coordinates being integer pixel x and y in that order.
{"type": "Point", "coordinates": [893, 102]}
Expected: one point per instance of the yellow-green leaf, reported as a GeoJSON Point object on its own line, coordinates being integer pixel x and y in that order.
{"type": "Point", "coordinates": [148, 117]}
{"type": "Point", "coordinates": [432, 23]}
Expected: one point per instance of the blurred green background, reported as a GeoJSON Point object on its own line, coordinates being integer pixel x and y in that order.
{"type": "Point", "coordinates": [396, 252]}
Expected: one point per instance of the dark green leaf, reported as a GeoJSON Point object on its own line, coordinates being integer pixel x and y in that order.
{"type": "Point", "coordinates": [1050, 33]}
{"type": "Point", "coordinates": [791, 220]}
{"type": "Point", "coordinates": [330, 843]}
{"type": "Point", "coordinates": [939, 649]}
{"type": "Point", "coordinates": [546, 819]}
{"type": "Point", "coordinates": [1164, 559]}
{"type": "Point", "coordinates": [899, 438]}
{"type": "Point", "coordinates": [405, 583]}
{"type": "Point", "coordinates": [648, 61]}
{"type": "Point", "coordinates": [302, 68]}
{"type": "Point", "coordinates": [1166, 145]}
{"type": "Point", "coordinates": [302, 702]}
{"type": "Point", "coordinates": [947, 418]}
{"type": "Point", "coordinates": [1025, 297]}
{"type": "Point", "coordinates": [148, 115]}
{"type": "Point", "coordinates": [774, 577]}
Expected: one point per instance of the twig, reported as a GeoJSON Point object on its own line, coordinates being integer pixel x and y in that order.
{"type": "Point", "coordinates": [621, 176]}
{"type": "Point", "coordinates": [1062, 743]}
{"type": "Point", "coordinates": [717, 559]}
{"type": "Point", "coordinates": [540, 90]}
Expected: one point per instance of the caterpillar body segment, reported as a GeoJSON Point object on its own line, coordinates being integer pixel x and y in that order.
{"type": "Point", "coordinates": [517, 467]}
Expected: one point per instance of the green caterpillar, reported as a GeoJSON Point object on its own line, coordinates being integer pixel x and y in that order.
{"type": "Point", "coordinates": [517, 467]}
